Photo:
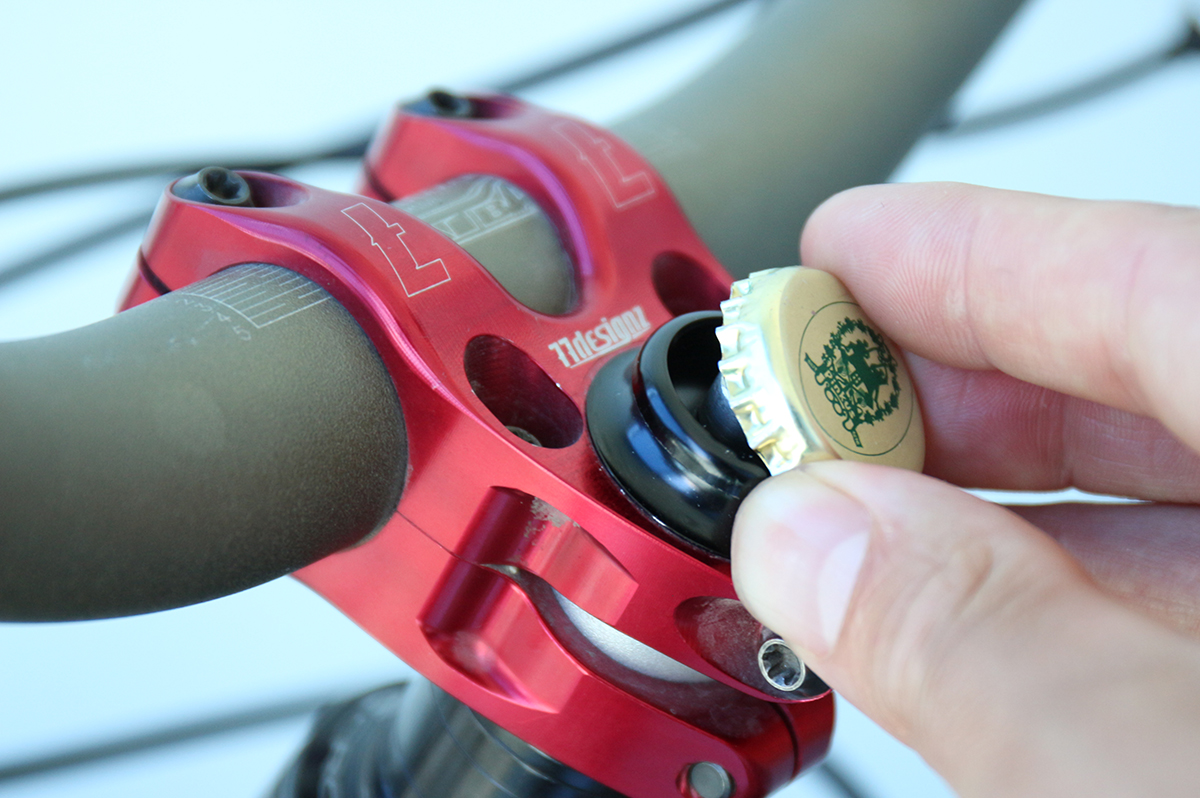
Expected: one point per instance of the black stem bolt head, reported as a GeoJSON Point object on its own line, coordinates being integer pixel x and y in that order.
{"type": "Point", "coordinates": [215, 185]}
{"type": "Point", "coordinates": [781, 666]}
{"type": "Point", "coordinates": [440, 102]}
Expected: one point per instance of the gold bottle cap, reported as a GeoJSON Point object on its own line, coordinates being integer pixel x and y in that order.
{"type": "Point", "coordinates": [809, 377]}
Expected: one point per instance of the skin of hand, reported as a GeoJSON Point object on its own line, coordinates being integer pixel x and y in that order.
{"type": "Point", "coordinates": [1038, 651]}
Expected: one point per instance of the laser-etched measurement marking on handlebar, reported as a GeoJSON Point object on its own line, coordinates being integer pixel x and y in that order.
{"type": "Point", "coordinates": [388, 237]}
{"type": "Point", "coordinates": [259, 295]}
{"type": "Point", "coordinates": [487, 205]}
{"type": "Point", "coordinates": [606, 336]}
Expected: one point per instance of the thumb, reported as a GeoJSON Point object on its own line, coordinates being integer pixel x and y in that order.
{"type": "Point", "coordinates": [967, 633]}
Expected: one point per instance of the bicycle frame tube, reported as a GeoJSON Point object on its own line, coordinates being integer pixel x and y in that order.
{"type": "Point", "coordinates": [822, 95]}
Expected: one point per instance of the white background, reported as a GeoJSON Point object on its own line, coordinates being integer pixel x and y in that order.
{"type": "Point", "coordinates": [94, 84]}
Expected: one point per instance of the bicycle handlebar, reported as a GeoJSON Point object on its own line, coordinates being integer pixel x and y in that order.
{"type": "Point", "coordinates": [157, 459]}
{"type": "Point", "coordinates": [167, 455]}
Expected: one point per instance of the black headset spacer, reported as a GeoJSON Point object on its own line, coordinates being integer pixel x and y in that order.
{"type": "Point", "coordinates": [644, 411]}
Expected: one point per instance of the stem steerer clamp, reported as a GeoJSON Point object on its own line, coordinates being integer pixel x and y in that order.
{"type": "Point", "coordinates": [515, 573]}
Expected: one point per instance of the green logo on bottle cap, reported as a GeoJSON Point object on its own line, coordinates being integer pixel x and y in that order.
{"type": "Point", "coordinates": [867, 403]}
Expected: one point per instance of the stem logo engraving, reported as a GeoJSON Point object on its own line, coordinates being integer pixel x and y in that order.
{"type": "Point", "coordinates": [624, 185]}
{"type": "Point", "coordinates": [252, 296]}
{"type": "Point", "coordinates": [609, 334]}
{"type": "Point", "coordinates": [388, 238]}
{"type": "Point", "coordinates": [859, 376]}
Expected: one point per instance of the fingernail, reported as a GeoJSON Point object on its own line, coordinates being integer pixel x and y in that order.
{"type": "Point", "coordinates": [798, 548]}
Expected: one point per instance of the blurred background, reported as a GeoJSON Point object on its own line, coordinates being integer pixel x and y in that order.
{"type": "Point", "coordinates": [91, 85]}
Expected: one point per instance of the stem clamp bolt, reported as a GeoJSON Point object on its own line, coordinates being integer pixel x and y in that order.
{"type": "Point", "coordinates": [215, 185]}
{"type": "Point", "coordinates": [780, 666]}
{"type": "Point", "coordinates": [709, 780]}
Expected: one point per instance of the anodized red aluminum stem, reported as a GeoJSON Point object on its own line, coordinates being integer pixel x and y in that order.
{"type": "Point", "coordinates": [460, 583]}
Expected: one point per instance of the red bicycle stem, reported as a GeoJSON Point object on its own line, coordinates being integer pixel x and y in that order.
{"type": "Point", "coordinates": [494, 528]}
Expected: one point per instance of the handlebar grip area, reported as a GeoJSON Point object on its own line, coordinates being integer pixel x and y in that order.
{"type": "Point", "coordinates": [202, 443]}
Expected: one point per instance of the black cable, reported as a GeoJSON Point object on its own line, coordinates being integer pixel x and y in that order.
{"type": "Point", "coordinates": [74, 246]}
{"type": "Point", "coordinates": [352, 149]}
{"type": "Point", "coordinates": [840, 781]}
{"type": "Point", "coordinates": [1090, 89]}
{"type": "Point", "coordinates": [606, 51]}
{"type": "Point", "coordinates": [357, 146]}
{"type": "Point", "coordinates": [168, 735]}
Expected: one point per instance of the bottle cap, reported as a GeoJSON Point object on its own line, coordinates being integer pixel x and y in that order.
{"type": "Point", "coordinates": [810, 377]}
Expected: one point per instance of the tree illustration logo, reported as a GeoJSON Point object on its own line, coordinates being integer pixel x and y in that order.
{"type": "Point", "coordinates": [859, 375]}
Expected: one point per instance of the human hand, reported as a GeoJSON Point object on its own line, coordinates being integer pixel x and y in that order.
{"type": "Point", "coordinates": [1042, 651]}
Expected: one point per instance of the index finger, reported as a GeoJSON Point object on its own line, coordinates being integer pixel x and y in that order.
{"type": "Point", "coordinates": [1098, 300]}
